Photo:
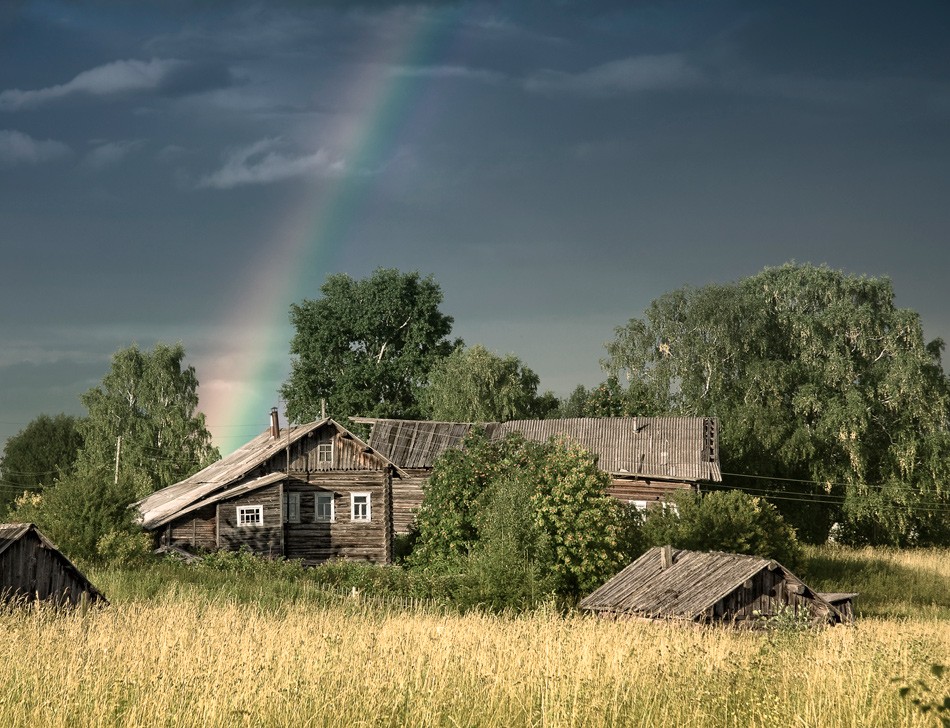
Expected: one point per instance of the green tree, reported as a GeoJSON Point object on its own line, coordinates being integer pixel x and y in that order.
{"type": "Point", "coordinates": [816, 377]}
{"type": "Point", "coordinates": [34, 456]}
{"type": "Point", "coordinates": [476, 385]}
{"type": "Point", "coordinates": [145, 410]}
{"type": "Point", "coordinates": [366, 346]}
{"type": "Point", "coordinates": [730, 521]}
{"type": "Point", "coordinates": [515, 509]}
{"type": "Point", "coordinates": [87, 516]}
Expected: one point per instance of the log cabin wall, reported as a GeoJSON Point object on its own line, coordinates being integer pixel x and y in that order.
{"type": "Point", "coordinates": [195, 531]}
{"type": "Point", "coordinates": [342, 538]}
{"type": "Point", "coordinates": [407, 499]}
{"type": "Point", "coordinates": [647, 492]}
{"type": "Point", "coordinates": [265, 539]}
{"type": "Point", "coordinates": [29, 570]}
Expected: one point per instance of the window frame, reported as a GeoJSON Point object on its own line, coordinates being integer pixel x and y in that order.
{"type": "Point", "coordinates": [324, 449]}
{"type": "Point", "coordinates": [292, 507]}
{"type": "Point", "coordinates": [369, 506]}
{"type": "Point", "coordinates": [326, 497]}
{"type": "Point", "coordinates": [241, 514]}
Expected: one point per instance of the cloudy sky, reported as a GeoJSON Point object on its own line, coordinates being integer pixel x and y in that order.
{"type": "Point", "coordinates": [183, 171]}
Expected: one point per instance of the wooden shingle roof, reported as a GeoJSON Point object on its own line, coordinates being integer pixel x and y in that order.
{"type": "Point", "coordinates": [685, 589]}
{"type": "Point", "coordinates": [684, 448]}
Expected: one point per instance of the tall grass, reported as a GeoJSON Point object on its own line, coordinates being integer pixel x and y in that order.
{"type": "Point", "coordinates": [214, 662]}
{"type": "Point", "coordinates": [892, 582]}
{"type": "Point", "coordinates": [245, 644]}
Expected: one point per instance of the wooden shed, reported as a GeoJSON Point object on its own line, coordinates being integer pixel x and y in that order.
{"type": "Point", "coordinates": [648, 458]}
{"type": "Point", "coordinates": [312, 492]}
{"type": "Point", "coordinates": [709, 587]}
{"type": "Point", "coordinates": [32, 568]}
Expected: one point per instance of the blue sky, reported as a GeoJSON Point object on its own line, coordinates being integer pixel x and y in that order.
{"type": "Point", "coordinates": [555, 166]}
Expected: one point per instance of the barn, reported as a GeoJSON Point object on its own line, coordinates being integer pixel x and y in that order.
{"type": "Point", "coordinates": [647, 458]}
{"type": "Point", "coordinates": [312, 492]}
{"type": "Point", "coordinates": [32, 568]}
{"type": "Point", "coordinates": [711, 587]}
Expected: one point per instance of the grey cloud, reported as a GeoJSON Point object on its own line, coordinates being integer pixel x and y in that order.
{"type": "Point", "coordinates": [110, 153]}
{"type": "Point", "coordinates": [19, 148]}
{"type": "Point", "coordinates": [168, 76]}
{"type": "Point", "coordinates": [263, 163]}
{"type": "Point", "coordinates": [618, 78]}
{"type": "Point", "coordinates": [447, 72]}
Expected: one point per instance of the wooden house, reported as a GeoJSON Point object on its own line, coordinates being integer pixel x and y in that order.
{"type": "Point", "coordinates": [32, 568]}
{"type": "Point", "coordinates": [311, 492]}
{"type": "Point", "coordinates": [694, 586]}
{"type": "Point", "coordinates": [648, 458]}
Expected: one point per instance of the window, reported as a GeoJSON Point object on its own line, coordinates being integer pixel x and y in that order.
{"type": "Point", "coordinates": [324, 510]}
{"type": "Point", "coordinates": [325, 453]}
{"type": "Point", "coordinates": [250, 515]}
{"type": "Point", "coordinates": [640, 505]}
{"type": "Point", "coordinates": [291, 507]}
{"type": "Point", "coordinates": [360, 507]}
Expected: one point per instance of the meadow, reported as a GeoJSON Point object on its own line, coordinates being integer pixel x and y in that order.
{"type": "Point", "coordinates": [182, 648]}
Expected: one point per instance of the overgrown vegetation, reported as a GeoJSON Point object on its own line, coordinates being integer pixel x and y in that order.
{"type": "Point", "coordinates": [730, 521]}
{"type": "Point", "coordinates": [519, 521]}
{"type": "Point", "coordinates": [229, 641]}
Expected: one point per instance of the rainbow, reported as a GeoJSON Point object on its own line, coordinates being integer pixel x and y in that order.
{"type": "Point", "coordinates": [239, 384]}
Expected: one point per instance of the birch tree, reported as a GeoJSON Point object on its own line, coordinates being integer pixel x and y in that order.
{"type": "Point", "coordinates": [816, 376]}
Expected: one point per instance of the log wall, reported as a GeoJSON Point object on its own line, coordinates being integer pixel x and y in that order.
{"type": "Point", "coordinates": [29, 570]}
{"type": "Point", "coordinates": [195, 531]}
{"type": "Point", "coordinates": [266, 539]}
{"type": "Point", "coordinates": [343, 538]}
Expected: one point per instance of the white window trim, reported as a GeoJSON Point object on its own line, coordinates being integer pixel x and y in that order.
{"type": "Point", "coordinates": [640, 505]}
{"type": "Point", "coordinates": [329, 445]}
{"type": "Point", "coordinates": [242, 512]}
{"type": "Point", "coordinates": [316, 500]}
{"type": "Point", "coordinates": [369, 507]}
{"type": "Point", "coordinates": [291, 507]}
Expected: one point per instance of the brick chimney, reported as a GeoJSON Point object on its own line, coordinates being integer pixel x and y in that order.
{"type": "Point", "coordinates": [274, 423]}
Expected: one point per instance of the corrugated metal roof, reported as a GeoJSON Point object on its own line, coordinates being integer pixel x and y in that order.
{"type": "Point", "coordinates": [693, 583]}
{"type": "Point", "coordinates": [684, 448]}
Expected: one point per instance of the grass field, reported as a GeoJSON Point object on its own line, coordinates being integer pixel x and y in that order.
{"type": "Point", "coordinates": [183, 652]}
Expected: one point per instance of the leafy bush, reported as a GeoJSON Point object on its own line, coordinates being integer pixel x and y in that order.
{"type": "Point", "coordinates": [515, 521]}
{"type": "Point", "coordinates": [86, 517]}
{"type": "Point", "coordinates": [730, 521]}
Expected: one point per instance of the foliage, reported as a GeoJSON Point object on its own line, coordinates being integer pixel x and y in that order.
{"type": "Point", "coordinates": [521, 510]}
{"type": "Point", "coordinates": [608, 399]}
{"type": "Point", "coordinates": [816, 377]}
{"type": "Point", "coordinates": [149, 400]}
{"type": "Point", "coordinates": [33, 457]}
{"type": "Point", "coordinates": [476, 385]}
{"type": "Point", "coordinates": [87, 517]}
{"type": "Point", "coordinates": [730, 521]}
{"type": "Point", "coordinates": [366, 346]}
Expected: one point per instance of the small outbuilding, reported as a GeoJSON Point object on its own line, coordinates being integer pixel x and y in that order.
{"type": "Point", "coordinates": [711, 587]}
{"type": "Point", "coordinates": [32, 568]}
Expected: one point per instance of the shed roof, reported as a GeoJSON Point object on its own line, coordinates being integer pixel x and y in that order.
{"type": "Point", "coordinates": [168, 503]}
{"type": "Point", "coordinates": [10, 533]}
{"type": "Point", "coordinates": [684, 448]}
{"type": "Point", "coordinates": [685, 589]}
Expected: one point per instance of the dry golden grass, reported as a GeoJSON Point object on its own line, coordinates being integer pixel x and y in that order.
{"type": "Point", "coordinates": [186, 661]}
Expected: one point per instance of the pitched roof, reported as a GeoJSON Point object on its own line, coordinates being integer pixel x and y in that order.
{"type": "Point", "coordinates": [247, 486]}
{"type": "Point", "coordinates": [168, 503]}
{"type": "Point", "coordinates": [684, 448]}
{"type": "Point", "coordinates": [685, 589]}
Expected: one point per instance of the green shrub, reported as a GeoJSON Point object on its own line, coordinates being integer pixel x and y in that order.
{"type": "Point", "coordinates": [730, 521]}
